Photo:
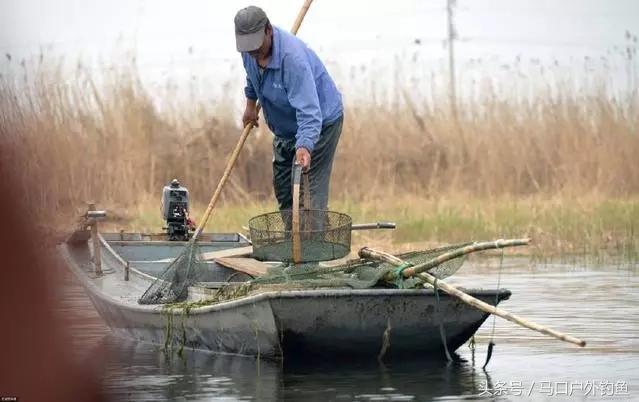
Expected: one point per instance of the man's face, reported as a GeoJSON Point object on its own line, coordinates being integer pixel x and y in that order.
{"type": "Point", "coordinates": [263, 51]}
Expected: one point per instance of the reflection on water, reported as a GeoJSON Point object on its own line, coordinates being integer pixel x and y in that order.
{"type": "Point", "coordinates": [141, 372]}
{"type": "Point", "coordinates": [599, 305]}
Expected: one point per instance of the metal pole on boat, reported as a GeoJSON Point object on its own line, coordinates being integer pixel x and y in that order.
{"type": "Point", "coordinates": [93, 221]}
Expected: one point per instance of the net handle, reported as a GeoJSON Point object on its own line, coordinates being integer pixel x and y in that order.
{"type": "Point", "coordinates": [307, 190]}
{"type": "Point", "coordinates": [307, 199]}
{"type": "Point", "coordinates": [297, 241]}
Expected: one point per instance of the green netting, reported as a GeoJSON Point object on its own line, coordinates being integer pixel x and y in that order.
{"type": "Point", "coordinates": [358, 274]}
{"type": "Point", "coordinates": [188, 270]}
{"type": "Point", "coordinates": [172, 285]}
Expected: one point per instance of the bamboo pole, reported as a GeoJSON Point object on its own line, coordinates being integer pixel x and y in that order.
{"type": "Point", "coordinates": [240, 143]}
{"type": "Point", "coordinates": [300, 16]}
{"type": "Point", "coordinates": [472, 248]}
{"type": "Point", "coordinates": [466, 298]}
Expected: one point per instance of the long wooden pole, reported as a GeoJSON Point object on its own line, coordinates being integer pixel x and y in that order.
{"type": "Point", "coordinates": [456, 253]}
{"type": "Point", "coordinates": [466, 298]}
{"type": "Point", "coordinates": [241, 141]}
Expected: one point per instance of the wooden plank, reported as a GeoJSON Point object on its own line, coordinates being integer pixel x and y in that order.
{"type": "Point", "coordinates": [249, 266]}
{"type": "Point", "coordinates": [212, 255]}
{"type": "Point", "coordinates": [229, 252]}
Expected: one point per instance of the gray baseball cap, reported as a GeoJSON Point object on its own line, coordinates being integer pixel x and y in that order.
{"type": "Point", "coordinates": [249, 28]}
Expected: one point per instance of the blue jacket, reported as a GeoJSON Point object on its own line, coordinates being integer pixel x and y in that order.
{"type": "Point", "coordinates": [297, 94]}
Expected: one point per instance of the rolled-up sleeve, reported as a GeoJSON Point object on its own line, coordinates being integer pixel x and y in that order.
{"type": "Point", "coordinates": [302, 95]}
{"type": "Point", "coordinates": [249, 91]}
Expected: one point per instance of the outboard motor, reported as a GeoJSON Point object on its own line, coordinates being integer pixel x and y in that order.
{"type": "Point", "coordinates": [175, 211]}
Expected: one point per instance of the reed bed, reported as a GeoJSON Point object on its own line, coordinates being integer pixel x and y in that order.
{"type": "Point", "coordinates": [103, 138]}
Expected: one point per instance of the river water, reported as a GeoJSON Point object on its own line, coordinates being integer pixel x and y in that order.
{"type": "Point", "coordinates": [599, 304]}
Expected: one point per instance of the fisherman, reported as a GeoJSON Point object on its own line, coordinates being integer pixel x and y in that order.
{"type": "Point", "coordinates": [301, 104]}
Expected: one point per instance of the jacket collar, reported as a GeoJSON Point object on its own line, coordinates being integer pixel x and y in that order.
{"type": "Point", "coordinates": [276, 60]}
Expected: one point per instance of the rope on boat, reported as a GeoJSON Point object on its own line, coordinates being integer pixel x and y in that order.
{"type": "Point", "coordinates": [442, 331]}
{"type": "Point", "coordinates": [491, 343]}
{"type": "Point", "coordinates": [399, 274]}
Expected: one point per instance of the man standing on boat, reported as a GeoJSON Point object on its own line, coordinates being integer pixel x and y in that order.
{"type": "Point", "coordinates": [301, 104]}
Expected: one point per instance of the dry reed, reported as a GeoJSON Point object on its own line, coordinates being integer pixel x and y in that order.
{"type": "Point", "coordinates": [102, 138]}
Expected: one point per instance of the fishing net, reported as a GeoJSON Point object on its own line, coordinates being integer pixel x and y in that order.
{"type": "Point", "coordinates": [324, 235]}
{"type": "Point", "coordinates": [188, 270]}
{"type": "Point", "coordinates": [172, 285]}
{"type": "Point", "coordinates": [357, 274]}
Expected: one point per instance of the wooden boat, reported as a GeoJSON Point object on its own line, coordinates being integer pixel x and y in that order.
{"type": "Point", "coordinates": [340, 322]}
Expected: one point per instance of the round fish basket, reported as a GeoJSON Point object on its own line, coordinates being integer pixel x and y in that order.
{"type": "Point", "coordinates": [323, 235]}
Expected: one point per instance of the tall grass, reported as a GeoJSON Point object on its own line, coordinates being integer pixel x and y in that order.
{"type": "Point", "coordinates": [103, 138]}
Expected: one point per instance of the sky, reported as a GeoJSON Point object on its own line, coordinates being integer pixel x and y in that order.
{"type": "Point", "coordinates": [177, 40]}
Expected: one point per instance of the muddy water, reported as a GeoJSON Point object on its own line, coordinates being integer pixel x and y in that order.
{"type": "Point", "coordinates": [598, 304]}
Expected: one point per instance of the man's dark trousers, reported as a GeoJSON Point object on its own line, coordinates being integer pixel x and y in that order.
{"type": "Point", "coordinates": [320, 171]}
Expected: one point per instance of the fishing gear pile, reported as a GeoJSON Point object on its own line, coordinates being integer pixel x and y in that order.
{"type": "Point", "coordinates": [189, 270]}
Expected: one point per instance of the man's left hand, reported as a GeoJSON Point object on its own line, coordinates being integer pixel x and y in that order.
{"type": "Point", "coordinates": [303, 157]}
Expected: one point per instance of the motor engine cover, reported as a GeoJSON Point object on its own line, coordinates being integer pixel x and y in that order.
{"type": "Point", "coordinates": [175, 210]}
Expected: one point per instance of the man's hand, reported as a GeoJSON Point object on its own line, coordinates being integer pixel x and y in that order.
{"type": "Point", "coordinates": [250, 113]}
{"type": "Point", "coordinates": [303, 157]}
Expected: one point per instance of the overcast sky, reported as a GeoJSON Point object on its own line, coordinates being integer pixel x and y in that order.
{"type": "Point", "coordinates": [196, 36]}
{"type": "Point", "coordinates": [154, 24]}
